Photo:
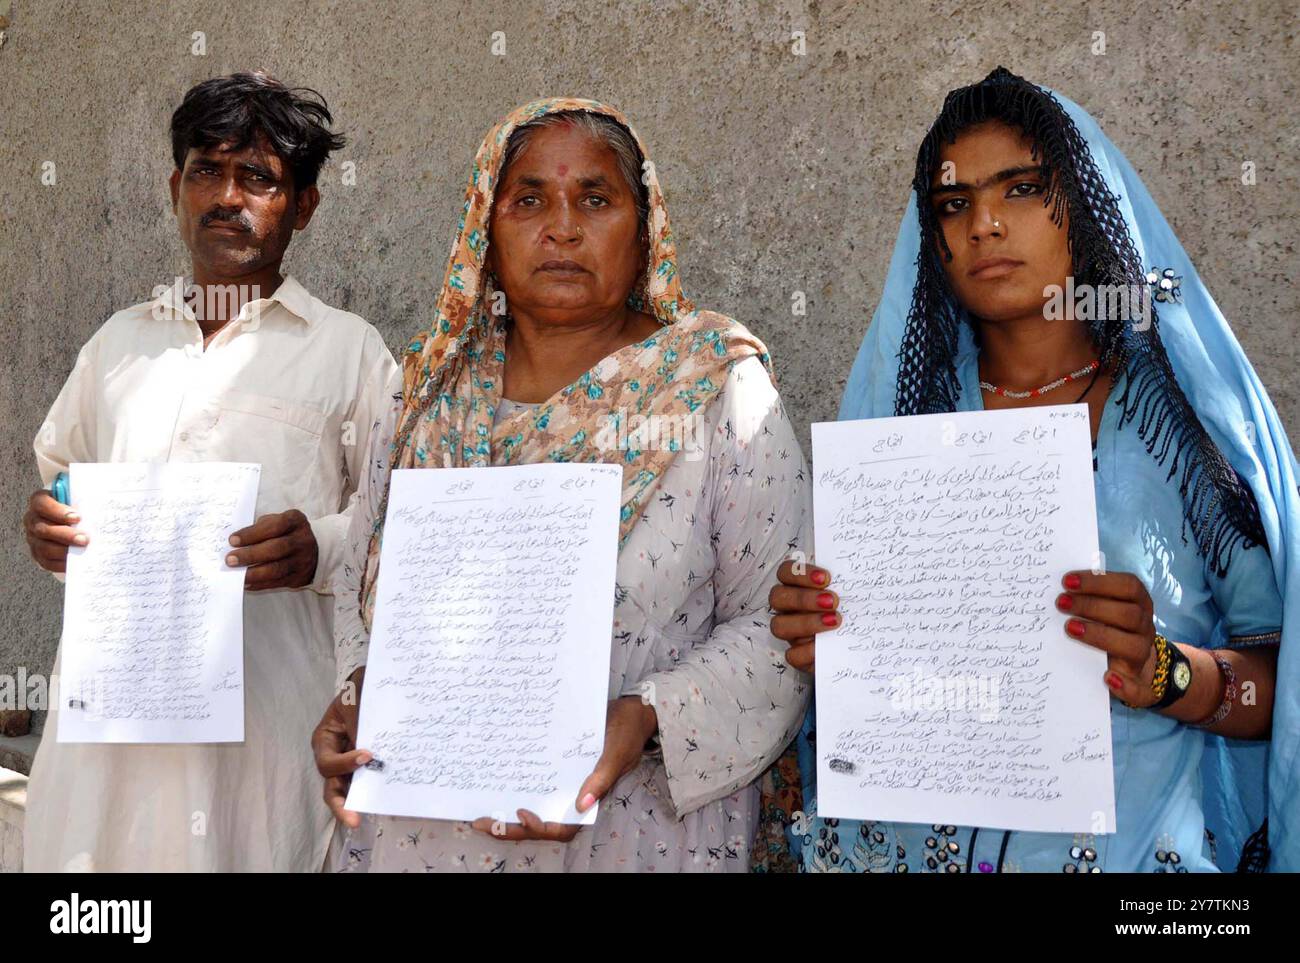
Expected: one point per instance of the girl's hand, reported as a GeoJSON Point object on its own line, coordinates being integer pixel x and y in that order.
{"type": "Point", "coordinates": [1114, 613]}
{"type": "Point", "coordinates": [804, 606]}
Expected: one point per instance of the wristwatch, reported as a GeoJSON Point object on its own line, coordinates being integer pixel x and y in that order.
{"type": "Point", "coordinates": [1179, 678]}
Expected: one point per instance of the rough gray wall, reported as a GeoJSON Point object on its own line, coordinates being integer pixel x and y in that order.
{"type": "Point", "coordinates": [782, 172]}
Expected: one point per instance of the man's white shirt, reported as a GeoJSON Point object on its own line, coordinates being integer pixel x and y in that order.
{"type": "Point", "coordinates": [295, 386]}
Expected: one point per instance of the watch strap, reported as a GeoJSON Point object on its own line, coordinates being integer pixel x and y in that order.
{"type": "Point", "coordinates": [1178, 676]}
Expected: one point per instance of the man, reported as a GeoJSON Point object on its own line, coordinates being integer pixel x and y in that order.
{"type": "Point", "coordinates": [242, 365]}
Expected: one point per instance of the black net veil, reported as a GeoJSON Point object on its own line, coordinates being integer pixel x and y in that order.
{"type": "Point", "coordinates": [1219, 508]}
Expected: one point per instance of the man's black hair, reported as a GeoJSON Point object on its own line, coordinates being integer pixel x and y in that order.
{"type": "Point", "coordinates": [238, 109]}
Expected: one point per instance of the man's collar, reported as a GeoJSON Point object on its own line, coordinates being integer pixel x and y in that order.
{"type": "Point", "coordinates": [290, 294]}
{"type": "Point", "coordinates": [295, 298]}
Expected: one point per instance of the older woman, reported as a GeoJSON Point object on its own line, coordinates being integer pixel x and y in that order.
{"type": "Point", "coordinates": [1018, 193]}
{"type": "Point", "coordinates": [562, 334]}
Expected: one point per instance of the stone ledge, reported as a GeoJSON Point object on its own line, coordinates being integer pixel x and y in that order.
{"type": "Point", "coordinates": [13, 812]}
{"type": "Point", "coordinates": [17, 752]}
{"type": "Point", "coordinates": [13, 797]}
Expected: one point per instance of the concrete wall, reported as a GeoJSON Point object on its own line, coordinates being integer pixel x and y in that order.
{"type": "Point", "coordinates": [783, 172]}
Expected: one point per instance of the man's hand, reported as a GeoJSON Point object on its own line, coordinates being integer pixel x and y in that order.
{"type": "Point", "coordinates": [279, 550]}
{"type": "Point", "coordinates": [48, 525]}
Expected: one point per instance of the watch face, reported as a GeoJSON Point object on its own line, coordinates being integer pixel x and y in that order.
{"type": "Point", "coordinates": [1182, 675]}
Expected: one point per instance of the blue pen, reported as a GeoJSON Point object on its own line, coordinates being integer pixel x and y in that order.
{"type": "Point", "coordinates": [59, 489]}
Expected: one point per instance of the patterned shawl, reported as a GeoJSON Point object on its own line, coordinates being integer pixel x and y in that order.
{"type": "Point", "coordinates": [453, 372]}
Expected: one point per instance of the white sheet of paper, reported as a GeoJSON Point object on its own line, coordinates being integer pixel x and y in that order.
{"type": "Point", "coordinates": [153, 618]}
{"type": "Point", "coordinates": [488, 672]}
{"type": "Point", "coordinates": [951, 693]}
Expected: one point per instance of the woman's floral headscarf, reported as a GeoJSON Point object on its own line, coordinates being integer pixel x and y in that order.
{"type": "Point", "coordinates": [453, 372]}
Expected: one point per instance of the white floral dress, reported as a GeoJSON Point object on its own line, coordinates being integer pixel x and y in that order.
{"type": "Point", "coordinates": [690, 626]}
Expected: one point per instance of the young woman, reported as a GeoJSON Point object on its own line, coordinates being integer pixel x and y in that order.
{"type": "Point", "coordinates": [1017, 190]}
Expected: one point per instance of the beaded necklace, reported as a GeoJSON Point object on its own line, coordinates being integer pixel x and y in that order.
{"type": "Point", "coordinates": [1083, 372]}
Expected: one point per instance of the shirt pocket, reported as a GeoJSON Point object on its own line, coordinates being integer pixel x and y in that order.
{"type": "Point", "coordinates": [280, 434]}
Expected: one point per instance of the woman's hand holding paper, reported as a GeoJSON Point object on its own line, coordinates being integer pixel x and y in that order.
{"type": "Point", "coordinates": [334, 743]}
{"type": "Point", "coordinates": [804, 607]}
{"type": "Point", "coordinates": [629, 722]}
{"type": "Point", "coordinates": [1112, 611]}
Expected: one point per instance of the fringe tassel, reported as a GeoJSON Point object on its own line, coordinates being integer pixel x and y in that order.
{"type": "Point", "coordinates": [1255, 853]}
{"type": "Point", "coordinates": [1219, 522]}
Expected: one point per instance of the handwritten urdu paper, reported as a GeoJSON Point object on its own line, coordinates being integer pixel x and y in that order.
{"type": "Point", "coordinates": [488, 672]}
{"type": "Point", "coordinates": [951, 693]}
{"type": "Point", "coordinates": [153, 618]}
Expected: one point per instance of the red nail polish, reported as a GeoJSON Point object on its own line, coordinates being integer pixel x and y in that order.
{"type": "Point", "coordinates": [826, 600]}
{"type": "Point", "coordinates": [1075, 628]}
{"type": "Point", "coordinates": [819, 577]}
{"type": "Point", "coordinates": [830, 618]}
{"type": "Point", "coordinates": [1114, 681]}
{"type": "Point", "coordinates": [1065, 602]}
{"type": "Point", "coordinates": [1073, 581]}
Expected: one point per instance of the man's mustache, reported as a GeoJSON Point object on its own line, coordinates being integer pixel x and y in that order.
{"type": "Point", "coordinates": [229, 217]}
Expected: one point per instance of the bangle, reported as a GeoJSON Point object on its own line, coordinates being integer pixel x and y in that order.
{"type": "Point", "coordinates": [1229, 695]}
